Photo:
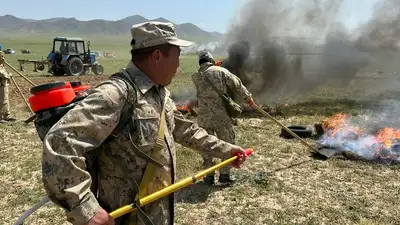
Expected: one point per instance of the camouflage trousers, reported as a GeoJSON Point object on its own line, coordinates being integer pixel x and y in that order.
{"type": "Point", "coordinates": [4, 102]}
{"type": "Point", "coordinates": [225, 133]}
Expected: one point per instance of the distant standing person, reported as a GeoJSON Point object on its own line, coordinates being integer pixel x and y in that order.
{"type": "Point", "coordinates": [212, 114]}
{"type": "Point", "coordinates": [5, 115]}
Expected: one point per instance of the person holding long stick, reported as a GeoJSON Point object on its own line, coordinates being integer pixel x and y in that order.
{"type": "Point", "coordinates": [136, 161]}
{"type": "Point", "coordinates": [213, 85]}
{"type": "Point", "coordinates": [5, 114]}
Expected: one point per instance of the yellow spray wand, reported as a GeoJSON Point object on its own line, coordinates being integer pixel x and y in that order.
{"type": "Point", "coordinates": [174, 187]}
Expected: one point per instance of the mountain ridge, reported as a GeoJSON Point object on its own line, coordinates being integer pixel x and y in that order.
{"type": "Point", "coordinates": [10, 24]}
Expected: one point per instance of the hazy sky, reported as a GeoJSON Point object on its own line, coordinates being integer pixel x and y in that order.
{"type": "Point", "coordinates": [208, 15]}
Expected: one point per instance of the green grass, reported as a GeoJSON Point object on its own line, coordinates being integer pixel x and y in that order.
{"type": "Point", "coordinates": [279, 184]}
{"type": "Point", "coordinates": [41, 47]}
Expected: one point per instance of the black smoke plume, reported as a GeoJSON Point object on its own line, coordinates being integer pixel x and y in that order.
{"type": "Point", "coordinates": [281, 48]}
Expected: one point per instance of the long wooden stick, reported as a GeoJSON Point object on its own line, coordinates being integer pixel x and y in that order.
{"type": "Point", "coordinates": [258, 108]}
{"type": "Point", "coordinates": [19, 73]}
{"type": "Point", "coordinates": [22, 95]}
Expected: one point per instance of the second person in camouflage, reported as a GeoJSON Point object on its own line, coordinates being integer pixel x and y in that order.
{"type": "Point", "coordinates": [212, 114]}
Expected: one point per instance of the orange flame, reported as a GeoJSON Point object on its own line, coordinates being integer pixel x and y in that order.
{"type": "Point", "coordinates": [334, 122]}
{"type": "Point", "coordinates": [183, 108]}
{"type": "Point", "coordinates": [337, 123]}
{"type": "Point", "coordinates": [387, 135]}
{"type": "Point", "coordinates": [384, 137]}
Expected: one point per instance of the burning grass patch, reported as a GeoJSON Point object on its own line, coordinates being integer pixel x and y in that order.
{"type": "Point", "coordinates": [364, 137]}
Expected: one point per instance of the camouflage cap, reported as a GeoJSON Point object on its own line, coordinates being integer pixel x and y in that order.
{"type": "Point", "coordinates": [153, 33]}
{"type": "Point", "coordinates": [205, 55]}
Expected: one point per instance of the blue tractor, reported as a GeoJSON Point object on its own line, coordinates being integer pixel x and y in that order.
{"type": "Point", "coordinates": [69, 56]}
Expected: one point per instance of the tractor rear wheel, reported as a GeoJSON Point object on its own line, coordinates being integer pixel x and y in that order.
{"type": "Point", "coordinates": [97, 69]}
{"type": "Point", "coordinates": [75, 67]}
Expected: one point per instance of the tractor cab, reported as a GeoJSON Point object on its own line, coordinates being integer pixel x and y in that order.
{"type": "Point", "coordinates": [69, 46]}
{"type": "Point", "coordinates": [70, 56]}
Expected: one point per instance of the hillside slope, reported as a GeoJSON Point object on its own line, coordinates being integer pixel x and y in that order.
{"type": "Point", "coordinates": [13, 25]}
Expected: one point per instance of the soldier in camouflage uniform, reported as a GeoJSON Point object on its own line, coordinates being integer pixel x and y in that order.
{"type": "Point", "coordinates": [212, 114]}
{"type": "Point", "coordinates": [155, 59]}
{"type": "Point", "coordinates": [5, 115]}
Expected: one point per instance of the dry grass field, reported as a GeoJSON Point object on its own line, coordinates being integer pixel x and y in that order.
{"type": "Point", "coordinates": [279, 184]}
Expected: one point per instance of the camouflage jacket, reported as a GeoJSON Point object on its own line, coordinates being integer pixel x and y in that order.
{"type": "Point", "coordinates": [210, 105]}
{"type": "Point", "coordinates": [87, 126]}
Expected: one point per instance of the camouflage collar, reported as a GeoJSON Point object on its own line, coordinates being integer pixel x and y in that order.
{"type": "Point", "coordinates": [205, 66]}
{"type": "Point", "coordinates": [143, 82]}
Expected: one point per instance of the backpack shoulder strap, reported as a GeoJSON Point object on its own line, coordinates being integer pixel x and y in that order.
{"type": "Point", "coordinates": [125, 119]}
{"type": "Point", "coordinates": [129, 104]}
{"type": "Point", "coordinates": [156, 154]}
{"type": "Point", "coordinates": [150, 169]}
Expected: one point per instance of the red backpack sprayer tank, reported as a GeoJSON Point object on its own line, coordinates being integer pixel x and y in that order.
{"type": "Point", "coordinates": [51, 101]}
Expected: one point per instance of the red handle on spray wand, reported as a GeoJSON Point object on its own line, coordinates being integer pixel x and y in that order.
{"type": "Point", "coordinates": [248, 152]}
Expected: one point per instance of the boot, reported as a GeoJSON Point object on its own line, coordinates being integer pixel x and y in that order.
{"type": "Point", "coordinates": [226, 179]}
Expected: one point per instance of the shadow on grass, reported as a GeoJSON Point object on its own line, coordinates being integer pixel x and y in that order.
{"type": "Point", "coordinates": [197, 193]}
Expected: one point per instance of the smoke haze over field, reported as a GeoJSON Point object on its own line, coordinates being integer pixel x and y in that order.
{"type": "Point", "coordinates": [268, 47]}
{"type": "Point", "coordinates": [193, 49]}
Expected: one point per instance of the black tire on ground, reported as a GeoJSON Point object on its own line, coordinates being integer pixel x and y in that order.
{"type": "Point", "coordinates": [301, 131]}
{"type": "Point", "coordinates": [74, 67]}
{"type": "Point", "coordinates": [98, 69]}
